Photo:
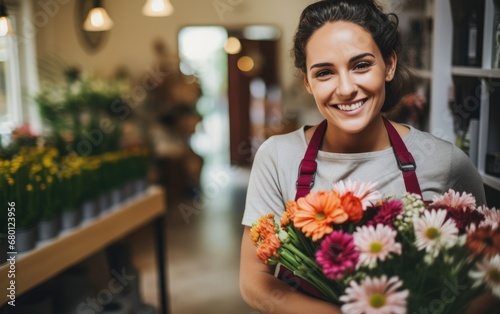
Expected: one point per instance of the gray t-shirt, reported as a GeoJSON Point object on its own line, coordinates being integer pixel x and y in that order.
{"type": "Point", "coordinates": [440, 166]}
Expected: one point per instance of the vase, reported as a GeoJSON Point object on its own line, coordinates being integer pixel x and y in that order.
{"type": "Point", "coordinates": [89, 211]}
{"type": "Point", "coordinates": [70, 218]}
{"type": "Point", "coordinates": [25, 239]}
{"type": "Point", "coordinates": [48, 229]}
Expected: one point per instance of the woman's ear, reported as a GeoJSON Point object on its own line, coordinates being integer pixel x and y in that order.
{"type": "Point", "coordinates": [390, 66]}
{"type": "Point", "coordinates": [306, 83]}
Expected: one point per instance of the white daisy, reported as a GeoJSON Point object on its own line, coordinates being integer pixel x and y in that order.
{"type": "Point", "coordinates": [433, 232]}
{"type": "Point", "coordinates": [365, 191]}
{"type": "Point", "coordinates": [375, 244]}
{"type": "Point", "coordinates": [375, 296]}
{"type": "Point", "coordinates": [488, 271]}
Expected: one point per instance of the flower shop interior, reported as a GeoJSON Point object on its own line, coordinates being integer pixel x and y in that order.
{"type": "Point", "coordinates": [128, 130]}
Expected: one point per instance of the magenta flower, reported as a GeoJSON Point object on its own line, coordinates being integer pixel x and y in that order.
{"type": "Point", "coordinates": [387, 213]}
{"type": "Point", "coordinates": [337, 255]}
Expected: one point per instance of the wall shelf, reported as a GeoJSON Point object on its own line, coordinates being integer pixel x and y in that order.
{"type": "Point", "coordinates": [492, 181]}
{"type": "Point", "coordinates": [46, 261]}
{"type": "Point", "coordinates": [475, 72]}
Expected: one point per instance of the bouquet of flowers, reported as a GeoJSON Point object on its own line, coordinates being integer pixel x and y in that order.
{"type": "Point", "coordinates": [374, 253]}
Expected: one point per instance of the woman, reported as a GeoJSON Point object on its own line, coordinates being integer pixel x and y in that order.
{"type": "Point", "coordinates": [347, 51]}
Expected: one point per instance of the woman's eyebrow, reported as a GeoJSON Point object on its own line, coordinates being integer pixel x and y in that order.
{"type": "Point", "coordinates": [355, 58]}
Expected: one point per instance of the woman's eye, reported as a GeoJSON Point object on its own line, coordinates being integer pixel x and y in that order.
{"type": "Point", "coordinates": [323, 73]}
{"type": "Point", "coordinates": [362, 66]}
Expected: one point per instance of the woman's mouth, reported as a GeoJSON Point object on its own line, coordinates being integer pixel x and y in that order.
{"type": "Point", "coordinates": [352, 106]}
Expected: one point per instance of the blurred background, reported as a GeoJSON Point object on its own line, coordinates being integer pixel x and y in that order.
{"type": "Point", "coordinates": [128, 130]}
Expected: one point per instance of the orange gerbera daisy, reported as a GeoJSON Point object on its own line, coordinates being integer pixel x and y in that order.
{"type": "Point", "coordinates": [262, 228]}
{"type": "Point", "coordinates": [317, 212]}
{"type": "Point", "coordinates": [287, 217]}
{"type": "Point", "coordinates": [268, 248]}
{"type": "Point", "coordinates": [352, 206]}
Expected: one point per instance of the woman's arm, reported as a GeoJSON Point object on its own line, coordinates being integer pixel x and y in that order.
{"type": "Point", "coordinates": [266, 293]}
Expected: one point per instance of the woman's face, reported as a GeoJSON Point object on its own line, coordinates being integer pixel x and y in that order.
{"type": "Point", "coordinates": [346, 75]}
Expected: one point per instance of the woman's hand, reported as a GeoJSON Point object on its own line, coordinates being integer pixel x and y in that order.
{"type": "Point", "coordinates": [266, 293]}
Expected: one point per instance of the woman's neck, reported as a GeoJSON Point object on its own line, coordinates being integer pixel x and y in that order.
{"type": "Point", "coordinates": [373, 138]}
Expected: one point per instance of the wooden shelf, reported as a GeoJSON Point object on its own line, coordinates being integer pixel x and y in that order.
{"type": "Point", "coordinates": [492, 181]}
{"type": "Point", "coordinates": [475, 72]}
{"type": "Point", "coordinates": [42, 263]}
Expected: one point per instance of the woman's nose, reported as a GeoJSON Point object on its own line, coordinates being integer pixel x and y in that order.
{"type": "Point", "coordinates": [346, 86]}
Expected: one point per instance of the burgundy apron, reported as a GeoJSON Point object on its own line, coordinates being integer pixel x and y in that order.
{"type": "Point", "coordinates": [305, 181]}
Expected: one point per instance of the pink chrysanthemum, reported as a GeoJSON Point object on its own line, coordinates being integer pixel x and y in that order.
{"type": "Point", "coordinates": [488, 271]}
{"type": "Point", "coordinates": [491, 217]}
{"type": "Point", "coordinates": [387, 213]}
{"type": "Point", "coordinates": [337, 255]}
{"type": "Point", "coordinates": [365, 191]}
{"type": "Point", "coordinates": [375, 296]}
{"type": "Point", "coordinates": [433, 232]}
{"type": "Point", "coordinates": [375, 243]}
{"type": "Point", "coordinates": [454, 200]}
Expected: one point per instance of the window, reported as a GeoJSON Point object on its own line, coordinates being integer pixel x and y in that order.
{"type": "Point", "coordinates": [10, 90]}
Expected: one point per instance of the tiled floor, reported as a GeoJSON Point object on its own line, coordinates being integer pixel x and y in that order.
{"type": "Point", "coordinates": [203, 244]}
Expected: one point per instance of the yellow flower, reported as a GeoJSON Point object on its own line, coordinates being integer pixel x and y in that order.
{"type": "Point", "coordinates": [50, 179]}
{"type": "Point", "coordinates": [29, 188]}
{"type": "Point", "coordinates": [47, 161]}
{"type": "Point", "coordinates": [10, 180]}
{"type": "Point", "coordinates": [43, 186]}
{"type": "Point", "coordinates": [38, 178]}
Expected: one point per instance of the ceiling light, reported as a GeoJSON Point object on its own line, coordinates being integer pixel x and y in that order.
{"type": "Point", "coordinates": [232, 46]}
{"type": "Point", "coordinates": [157, 8]}
{"type": "Point", "coordinates": [98, 19]}
{"type": "Point", "coordinates": [6, 28]}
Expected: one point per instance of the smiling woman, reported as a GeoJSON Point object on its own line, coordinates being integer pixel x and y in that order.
{"type": "Point", "coordinates": [348, 54]}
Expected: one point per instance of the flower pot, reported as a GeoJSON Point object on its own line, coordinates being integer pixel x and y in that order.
{"type": "Point", "coordinates": [104, 203]}
{"type": "Point", "coordinates": [116, 198]}
{"type": "Point", "coordinates": [140, 186]}
{"type": "Point", "coordinates": [129, 190]}
{"type": "Point", "coordinates": [89, 211]}
{"type": "Point", "coordinates": [70, 219]}
{"type": "Point", "coordinates": [25, 239]}
{"type": "Point", "coordinates": [48, 228]}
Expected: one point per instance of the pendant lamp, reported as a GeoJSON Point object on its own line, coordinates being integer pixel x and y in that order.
{"type": "Point", "coordinates": [157, 8]}
{"type": "Point", "coordinates": [98, 19]}
{"type": "Point", "coordinates": [6, 28]}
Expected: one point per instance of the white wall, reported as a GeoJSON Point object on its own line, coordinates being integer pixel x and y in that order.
{"type": "Point", "coordinates": [130, 40]}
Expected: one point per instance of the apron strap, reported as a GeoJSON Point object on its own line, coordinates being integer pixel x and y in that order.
{"type": "Point", "coordinates": [406, 163]}
{"type": "Point", "coordinates": [308, 166]}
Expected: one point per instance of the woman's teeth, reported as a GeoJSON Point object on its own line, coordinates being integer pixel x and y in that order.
{"type": "Point", "coordinates": [351, 107]}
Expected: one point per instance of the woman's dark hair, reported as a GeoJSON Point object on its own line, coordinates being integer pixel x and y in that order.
{"type": "Point", "coordinates": [367, 14]}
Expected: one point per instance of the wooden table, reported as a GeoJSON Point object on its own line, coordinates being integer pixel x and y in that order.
{"type": "Point", "coordinates": [44, 262]}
